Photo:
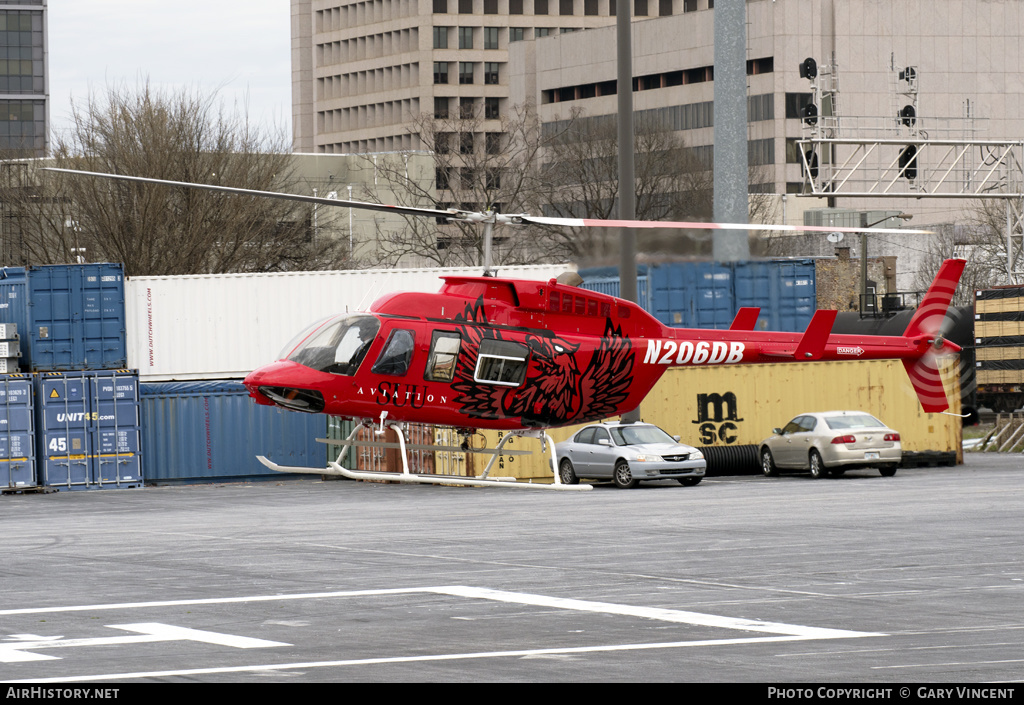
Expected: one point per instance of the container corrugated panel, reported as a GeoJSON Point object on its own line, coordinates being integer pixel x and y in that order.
{"type": "Point", "coordinates": [737, 406]}
{"type": "Point", "coordinates": [87, 430]}
{"type": "Point", "coordinates": [212, 431]}
{"type": "Point", "coordinates": [70, 316]}
{"type": "Point", "coordinates": [17, 442]}
{"type": "Point", "coordinates": [224, 326]}
{"type": "Point", "coordinates": [708, 294]}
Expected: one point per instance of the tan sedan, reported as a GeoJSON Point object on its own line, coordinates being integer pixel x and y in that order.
{"type": "Point", "coordinates": [831, 442]}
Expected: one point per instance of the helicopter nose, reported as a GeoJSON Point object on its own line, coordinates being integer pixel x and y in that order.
{"type": "Point", "coordinates": [283, 384]}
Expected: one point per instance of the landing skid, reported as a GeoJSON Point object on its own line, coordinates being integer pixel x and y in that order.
{"type": "Point", "coordinates": [335, 468]}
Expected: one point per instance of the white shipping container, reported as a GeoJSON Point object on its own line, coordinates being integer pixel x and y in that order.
{"type": "Point", "coordinates": [223, 326]}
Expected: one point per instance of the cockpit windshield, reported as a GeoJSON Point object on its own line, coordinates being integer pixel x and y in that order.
{"type": "Point", "coordinates": [337, 345]}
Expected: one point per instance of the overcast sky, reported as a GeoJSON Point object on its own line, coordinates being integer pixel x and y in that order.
{"type": "Point", "coordinates": [238, 48]}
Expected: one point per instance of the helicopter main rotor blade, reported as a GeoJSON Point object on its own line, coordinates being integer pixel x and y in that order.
{"type": "Point", "coordinates": [685, 225]}
{"type": "Point", "coordinates": [336, 202]}
{"type": "Point", "coordinates": [490, 217]}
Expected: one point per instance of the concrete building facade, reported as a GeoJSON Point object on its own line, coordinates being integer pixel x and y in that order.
{"type": "Point", "coordinates": [362, 70]}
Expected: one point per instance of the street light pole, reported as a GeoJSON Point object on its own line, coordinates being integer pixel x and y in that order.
{"type": "Point", "coordinates": [864, 253]}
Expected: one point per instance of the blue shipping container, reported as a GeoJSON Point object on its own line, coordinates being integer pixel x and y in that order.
{"type": "Point", "coordinates": [87, 430]}
{"type": "Point", "coordinates": [708, 294]}
{"type": "Point", "coordinates": [69, 316]}
{"type": "Point", "coordinates": [17, 442]}
{"type": "Point", "coordinates": [212, 431]}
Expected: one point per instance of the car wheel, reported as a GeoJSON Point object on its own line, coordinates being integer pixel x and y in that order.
{"type": "Point", "coordinates": [622, 476]}
{"type": "Point", "coordinates": [566, 473]}
{"type": "Point", "coordinates": [768, 463]}
{"type": "Point", "coordinates": [690, 481]}
{"type": "Point", "coordinates": [888, 471]}
{"type": "Point", "coordinates": [818, 469]}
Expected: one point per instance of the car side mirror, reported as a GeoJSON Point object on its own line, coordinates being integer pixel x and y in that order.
{"type": "Point", "coordinates": [604, 442]}
{"type": "Point", "coordinates": [777, 431]}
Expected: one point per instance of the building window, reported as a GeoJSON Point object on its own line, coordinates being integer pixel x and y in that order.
{"type": "Point", "coordinates": [466, 143]}
{"type": "Point", "coordinates": [442, 178]}
{"type": "Point", "coordinates": [440, 72]}
{"type": "Point", "coordinates": [689, 5]}
{"type": "Point", "coordinates": [565, 7]}
{"type": "Point", "coordinates": [590, 7]}
{"type": "Point", "coordinates": [465, 7]}
{"type": "Point", "coordinates": [540, 7]}
{"type": "Point", "coordinates": [515, 7]}
{"type": "Point", "coordinates": [441, 108]}
{"type": "Point", "coordinates": [467, 108]}
{"type": "Point", "coordinates": [640, 8]}
{"type": "Point", "coordinates": [795, 103]}
{"type": "Point", "coordinates": [492, 142]}
{"type": "Point", "coordinates": [491, 73]}
{"type": "Point", "coordinates": [664, 8]}
{"type": "Point", "coordinates": [491, 37]}
{"type": "Point", "coordinates": [465, 37]}
{"type": "Point", "coordinates": [542, 31]}
{"type": "Point", "coordinates": [491, 109]}
{"type": "Point", "coordinates": [516, 34]}
{"type": "Point", "coordinates": [465, 72]}
{"type": "Point", "coordinates": [443, 143]}
{"type": "Point", "coordinates": [441, 7]}
{"type": "Point", "coordinates": [440, 37]}
{"type": "Point", "coordinates": [490, 7]}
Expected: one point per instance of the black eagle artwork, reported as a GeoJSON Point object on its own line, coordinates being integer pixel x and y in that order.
{"type": "Point", "coordinates": [555, 392]}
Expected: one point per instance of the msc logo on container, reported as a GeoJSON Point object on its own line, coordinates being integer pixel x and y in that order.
{"type": "Point", "coordinates": [717, 417]}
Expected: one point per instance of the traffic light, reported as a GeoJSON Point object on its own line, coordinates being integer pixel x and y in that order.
{"type": "Point", "coordinates": [808, 69]}
{"type": "Point", "coordinates": [812, 163]}
{"type": "Point", "coordinates": [908, 162]}
{"type": "Point", "coordinates": [809, 114]}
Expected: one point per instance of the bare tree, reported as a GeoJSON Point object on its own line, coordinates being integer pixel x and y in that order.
{"type": "Point", "coordinates": [981, 240]}
{"type": "Point", "coordinates": [156, 229]}
{"type": "Point", "coordinates": [481, 163]}
{"type": "Point", "coordinates": [673, 181]}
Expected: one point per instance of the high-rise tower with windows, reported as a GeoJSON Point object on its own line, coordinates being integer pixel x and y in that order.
{"type": "Point", "coordinates": [24, 89]}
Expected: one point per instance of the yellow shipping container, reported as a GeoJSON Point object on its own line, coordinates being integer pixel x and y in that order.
{"type": "Point", "coordinates": [738, 405]}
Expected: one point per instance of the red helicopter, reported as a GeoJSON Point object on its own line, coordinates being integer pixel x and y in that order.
{"type": "Point", "coordinates": [525, 356]}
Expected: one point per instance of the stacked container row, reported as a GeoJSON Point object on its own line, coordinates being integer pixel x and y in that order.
{"type": "Point", "coordinates": [84, 405]}
{"type": "Point", "coordinates": [708, 294]}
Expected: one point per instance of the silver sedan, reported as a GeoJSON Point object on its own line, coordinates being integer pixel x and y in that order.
{"type": "Point", "coordinates": [627, 453]}
{"type": "Point", "coordinates": [832, 442]}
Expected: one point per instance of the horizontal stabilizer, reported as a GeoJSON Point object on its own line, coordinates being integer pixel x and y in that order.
{"type": "Point", "coordinates": [812, 344]}
{"type": "Point", "coordinates": [746, 318]}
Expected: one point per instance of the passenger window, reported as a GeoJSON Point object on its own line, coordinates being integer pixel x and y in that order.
{"type": "Point", "coordinates": [600, 434]}
{"type": "Point", "coordinates": [501, 362]}
{"type": "Point", "coordinates": [444, 353]}
{"type": "Point", "coordinates": [586, 435]}
{"type": "Point", "coordinates": [394, 359]}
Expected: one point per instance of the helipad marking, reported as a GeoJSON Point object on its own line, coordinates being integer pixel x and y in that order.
{"type": "Point", "coordinates": [24, 646]}
{"type": "Point", "coordinates": [155, 632]}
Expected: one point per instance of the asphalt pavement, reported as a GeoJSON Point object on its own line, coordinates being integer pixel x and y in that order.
{"type": "Point", "coordinates": [861, 579]}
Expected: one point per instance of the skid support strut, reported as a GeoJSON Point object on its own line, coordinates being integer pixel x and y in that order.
{"type": "Point", "coordinates": [335, 467]}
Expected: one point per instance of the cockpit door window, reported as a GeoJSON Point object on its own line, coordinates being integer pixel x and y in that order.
{"type": "Point", "coordinates": [396, 356]}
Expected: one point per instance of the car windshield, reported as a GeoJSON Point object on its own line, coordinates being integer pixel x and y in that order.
{"type": "Point", "coordinates": [839, 423]}
{"type": "Point", "coordinates": [337, 346]}
{"type": "Point", "coordinates": [638, 435]}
